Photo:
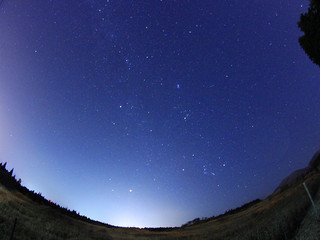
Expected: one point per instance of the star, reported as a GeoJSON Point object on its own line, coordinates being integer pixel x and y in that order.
{"type": "Point", "coordinates": [153, 93]}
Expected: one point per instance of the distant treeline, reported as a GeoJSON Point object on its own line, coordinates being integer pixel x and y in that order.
{"type": "Point", "coordinates": [8, 179]}
{"type": "Point", "coordinates": [228, 212]}
{"type": "Point", "coordinates": [12, 184]}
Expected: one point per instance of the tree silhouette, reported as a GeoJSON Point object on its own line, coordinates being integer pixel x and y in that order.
{"type": "Point", "coordinates": [310, 24]}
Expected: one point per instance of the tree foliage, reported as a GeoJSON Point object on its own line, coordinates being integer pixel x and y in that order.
{"type": "Point", "coordinates": [8, 180]}
{"type": "Point", "coordinates": [310, 24]}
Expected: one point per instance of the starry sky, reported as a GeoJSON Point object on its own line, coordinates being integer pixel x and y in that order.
{"type": "Point", "coordinates": [153, 113]}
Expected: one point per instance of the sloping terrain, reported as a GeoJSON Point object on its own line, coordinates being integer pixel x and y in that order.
{"type": "Point", "coordinates": [310, 226]}
{"type": "Point", "coordinates": [287, 214]}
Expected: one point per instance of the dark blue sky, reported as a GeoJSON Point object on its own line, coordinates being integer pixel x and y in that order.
{"type": "Point", "coordinates": [152, 113]}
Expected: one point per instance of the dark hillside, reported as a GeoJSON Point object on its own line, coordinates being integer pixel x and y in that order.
{"type": "Point", "coordinates": [278, 217]}
{"type": "Point", "coordinates": [9, 180]}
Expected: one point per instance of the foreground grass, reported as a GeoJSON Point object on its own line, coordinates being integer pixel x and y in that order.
{"type": "Point", "coordinates": [277, 217]}
{"type": "Point", "coordinates": [310, 226]}
{"type": "Point", "coordinates": [285, 215]}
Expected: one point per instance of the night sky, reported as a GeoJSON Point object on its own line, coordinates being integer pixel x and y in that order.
{"type": "Point", "coordinates": [153, 113]}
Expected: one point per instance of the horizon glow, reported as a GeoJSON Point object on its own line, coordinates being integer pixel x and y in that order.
{"type": "Point", "coordinates": [153, 113]}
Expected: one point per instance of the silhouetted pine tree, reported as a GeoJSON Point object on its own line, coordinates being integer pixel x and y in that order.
{"type": "Point", "coordinates": [3, 166]}
{"type": "Point", "coordinates": [310, 24]}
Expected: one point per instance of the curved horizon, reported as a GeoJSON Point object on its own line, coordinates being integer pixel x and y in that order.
{"type": "Point", "coordinates": [151, 114]}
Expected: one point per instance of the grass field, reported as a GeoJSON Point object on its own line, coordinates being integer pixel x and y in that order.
{"type": "Point", "coordinates": [288, 214]}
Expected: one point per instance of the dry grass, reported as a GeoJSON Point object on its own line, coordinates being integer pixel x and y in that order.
{"type": "Point", "coordinates": [277, 217]}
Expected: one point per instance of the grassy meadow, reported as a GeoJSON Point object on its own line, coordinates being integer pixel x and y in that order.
{"type": "Point", "coordinates": [287, 214]}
